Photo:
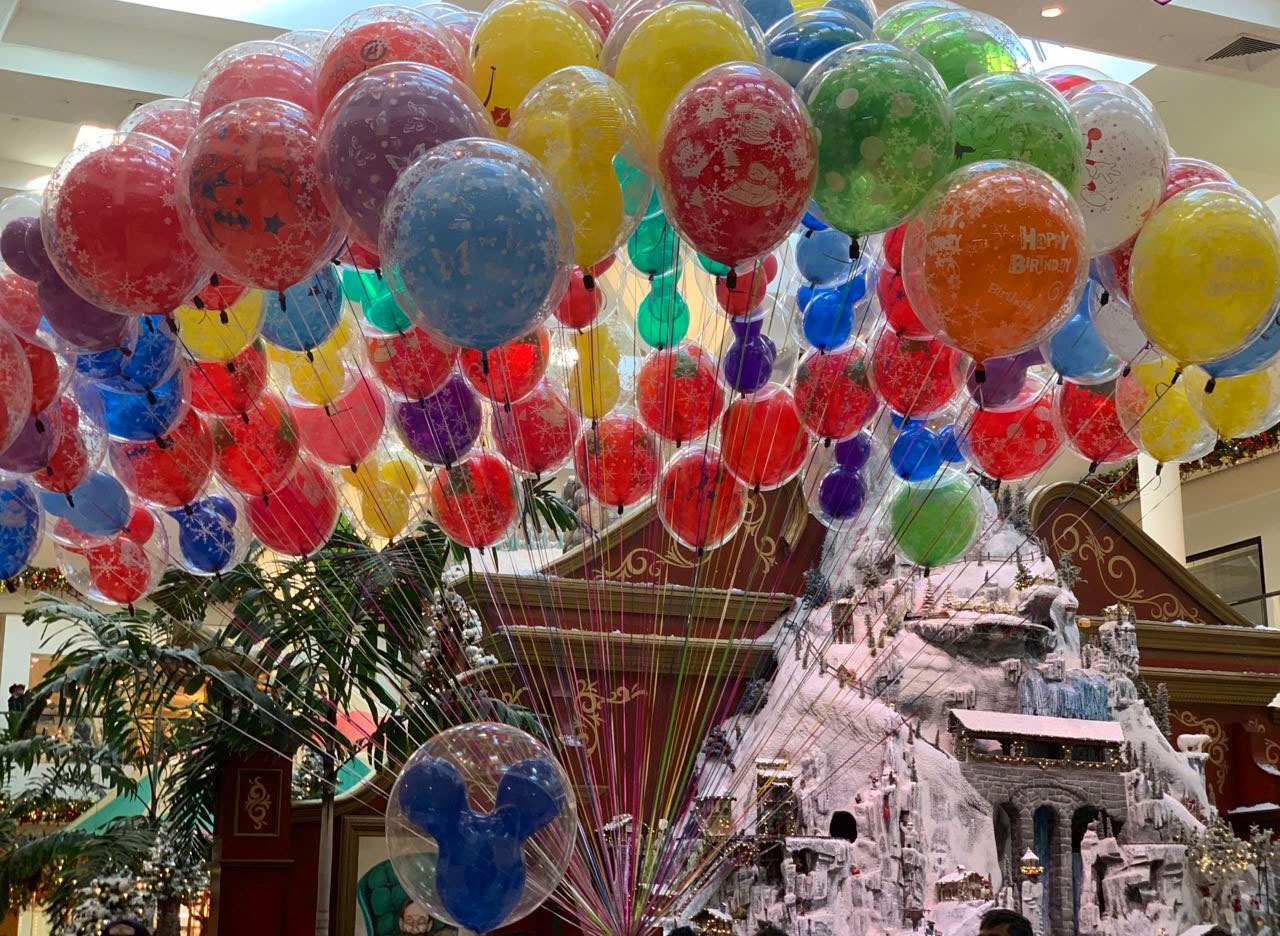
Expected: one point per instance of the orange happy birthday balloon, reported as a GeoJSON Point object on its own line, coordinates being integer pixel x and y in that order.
{"type": "Point", "coordinates": [994, 261]}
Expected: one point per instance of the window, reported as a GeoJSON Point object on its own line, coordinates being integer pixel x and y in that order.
{"type": "Point", "coordinates": [1235, 573]}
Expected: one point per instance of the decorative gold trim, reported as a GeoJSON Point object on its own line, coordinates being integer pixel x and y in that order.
{"type": "Point", "coordinates": [255, 803]}
{"type": "Point", "coordinates": [1214, 686]}
{"type": "Point", "coordinates": [352, 829]}
{"type": "Point", "coordinates": [1217, 749]}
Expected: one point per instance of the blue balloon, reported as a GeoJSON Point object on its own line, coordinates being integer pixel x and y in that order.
{"type": "Point", "coordinates": [140, 417]}
{"type": "Point", "coordinates": [1076, 351]}
{"type": "Point", "coordinates": [823, 256]}
{"type": "Point", "coordinates": [768, 12]}
{"type": "Point", "coordinates": [150, 363]}
{"type": "Point", "coordinates": [97, 506]}
{"type": "Point", "coordinates": [916, 454]}
{"type": "Point", "coordinates": [21, 523]}
{"type": "Point", "coordinates": [828, 320]}
{"type": "Point", "coordinates": [949, 445]}
{"type": "Point", "coordinates": [804, 295]}
{"type": "Point", "coordinates": [863, 10]}
{"type": "Point", "coordinates": [476, 252]}
{"type": "Point", "coordinates": [207, 534]}
{"type": "Point", "coordinates": [813, 219]}
{"type": "Point", "coordinates": [1252, 357]}
{"type": "Point", "coordinates": [793, 44]}
{"type": "Point", "coordinates": [102, 365]}
{"type": "Point", "coordinates": [480, 871]}
{"type": "Point", "coordinates": [309, 314]}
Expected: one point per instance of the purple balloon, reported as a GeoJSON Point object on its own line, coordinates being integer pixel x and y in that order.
{"type": "Point", "coordinates": [441, 428]}
{"type": "Point", "coordinates": [853, 452]}
{"type": "Point", "coordinates": [748, 364]}
{"type": "Point", "coordinates": [13, 248]}
{"type": "Point", "coordinates": [33, 447]}
{"type": "Point", "coordinates": [38, 256]}
{"type": "Point", "coordinates": [746, 328]}
{"type": "Point", "coordinates": [1004, 379]}
{"type": "Point", "coordinates": [80, 322]}
{"type": "Point", "coordinates": [841, 494]}
{"type": "Point", "coordinates": [379, 124]}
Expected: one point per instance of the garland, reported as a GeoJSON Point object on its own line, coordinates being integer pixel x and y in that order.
{"type": "Point", "coordinates": [1123, 482]}
{"type": "Point", "coordinates": [41, 580]}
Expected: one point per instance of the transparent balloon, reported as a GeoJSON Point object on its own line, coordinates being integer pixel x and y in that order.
{"type": "Point", "coordinates": [1236, 407]}
{"type": "Point", "coordinates": [220, 335]}
{"type": "Point", "coordinates": [962, 44]}
{"type": "Point", "coordinates": [1156, 414]}
{"type": "Point", "coordinates": [794, 43]}
{"type": "Point", "coordinates": [211, 535]}
{"type": "Point", "coordinates": [699, 502]}
{"type": "Point", "coordinates": [1090, 425]}
{"type": "Point", "coordinates": [1015, 443]}
{"type": "Point", "coordinates": [934, 522]}
{"type": "Point", "coordinates": [476, 501]}
{"type": "Point", "coordinates": [257, 69]}
{"type": "Point", "coordinates": [890, 24]}
{"type": "Point", "coordinates": [617, 460]}
{"type": "Point", "coordinates": [170, 119]}
{"type": "Point", "coordinates": [121, 569]}
{"type": "Point", "coordinates": [299, 516]}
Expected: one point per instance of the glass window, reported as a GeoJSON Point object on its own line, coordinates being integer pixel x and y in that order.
{"type": "Point", "coordinates": [1235, 573]}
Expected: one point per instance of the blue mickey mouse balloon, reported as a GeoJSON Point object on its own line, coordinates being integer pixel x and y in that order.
{"type": "Point", "coordinates": [476, 243]}
{"type": "Point", "coordinates": [916, 453]}
{"type": "Point", "coordinates": [139, 417]}
{"type": "Point", "coordinates": [150, 362]}
{"type": "Point", "coordinates": [812, 219]}
{"type": "Point", "coordinates": [1252, 357]}
{"type": "Point", "coordinates": [211, 535]}
{"type": "Point", "coordinates": [823, 256]}
{"type": "Point", "coordinates": [828, 321]}
{"type": "Point", "coordinates": [1076, 351]}
{"type": "Point", "coordinates": [97, 506]}
{"type": "Point", "coordinates": [795, 42]}
{"type": "Point", "coordinates": [308, 315]}
{"type": "Point", "coordinates": [21, 524]}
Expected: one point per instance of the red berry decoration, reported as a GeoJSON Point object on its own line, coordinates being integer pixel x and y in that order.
{"type": "Point", "coordinates": [256, 453]}
{"type": "Point", "coordinates": [537, 433]}
{"type": "Point", "coordinates": [897, 307]}
{"type": "Point", "coordinates": [476, 501]}
{"type": "Point", "coordinates": [916, 377]}
{"type": "Point", "coordinates": [616, 459]}
{"type": "Point", "coordinates": [1089, 423]}
{"type": "Point", "coordinates": [230, 388]}
{"type": "Point", "coordinates": [412, 365]}
{"type": "Point", "coordinates": [763, 441]}
{"type": "Point", "coordinates": [296, 519]}
{"type": "Point", "coordinates": [678, 392]}
{"type": "Point", "coordinates": [699, 502]}
{"type": "Point", "coordinates": [168, 472]}
{"type": "Point", "coordinates": [509, 372]}
{"type": "Point", "coordinates": [833, 392]}
{"type": "Point", "coordinates": [1012, 444]}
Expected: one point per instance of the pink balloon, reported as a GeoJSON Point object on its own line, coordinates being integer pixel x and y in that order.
{"type": "Point", "coordinates": [346, 431]}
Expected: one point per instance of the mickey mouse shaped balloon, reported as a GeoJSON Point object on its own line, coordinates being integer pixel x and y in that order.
{"type": "Point", "coordinates": [480, 825]}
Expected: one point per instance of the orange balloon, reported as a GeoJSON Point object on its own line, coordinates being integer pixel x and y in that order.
{"type": "Point", "coordinates": [996, 258]}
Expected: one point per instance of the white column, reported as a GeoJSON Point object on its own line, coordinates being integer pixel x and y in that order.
{"type": "Point", "coordinates": [1160, 503]}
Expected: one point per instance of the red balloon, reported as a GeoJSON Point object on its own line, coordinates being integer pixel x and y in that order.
{"type": "Point", "coordinates": [46, 373]}
{"type": "Point", "coordinates": [678, 392]}
{"type": "Point", "coordinates": [513, 369]}
{"type": "Point", "coordinates": [616, 459]}
{"type": "Point", "coordinates": [169, 472]}
{"type": "Point", "coordinates": [893, 240]}
{"type": "Point", "coordinates": [75, 456]}
{"type": "Point", "coordinates": [603, 266]}
{"type": "Point", "coordinates": [538, 432]}
{"type": "Point", "coordinates": [737, 163]}
{"type": "Point", "coordinates": [833, 393]}
{"type": "Point", "coordinates": [114, 230]}
{"type": "Point", "coordinates": [229, 389]}
{"type": "Point", "coordinates": [170, 119]}
{"type": "Point", "coordinates": [141, 525]}
{"type": "Point", "coordinates": [362, 257]}
{"type": "Point", "coordinates": [699, 502]}
{"type": "Point", "coordinates": [346, 431]}
{"type": "Point", "coordinates": [223, 296]}
{"type": "Point", "coordinates": [763, 441]}
{"type": "Point", "coordinates": [580, 306]}
{"type": "Point", "coordinates": [1012, 444]}
{"type": "Point", "coordinates": [296, 519]}
{"type": "Point", "coordinates": [412, 366]}
{"type": "Point", "coordinates": [748, 288]}
{"type": "Point", "coordinates": [249, 195]}
{"type": "Point", "coordinates": [1064, 83]}
{"type": "Point", "coordinates": [476, 501]}
{"type": "Point", "coordinates": [256, 70]}
{"type": "Point", "coordinates": [897, 307]}
{"type": "Point", "coordinates": [19, 307]}
{"type": "Point", "coordinates": [596, 13]}
{"type": "Point", "coordinates": [1089, 424]}
{"type": "Point", "coordinates": [120, 570]}
{"type": "Point", "coordinates": [256, 454]}
{"type": "Point", "coordinates": [915, 376]}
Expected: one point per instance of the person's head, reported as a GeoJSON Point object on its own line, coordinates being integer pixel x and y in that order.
{"type": "Point", "coordinates": [1002, 922]}
{"type": "Point", "coordinates": [15, 689]}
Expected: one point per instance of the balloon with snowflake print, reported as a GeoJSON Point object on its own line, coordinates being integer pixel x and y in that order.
{"type": "Point", "coordinates": [896, 306]}
{"type": "Point", "coordinates": [377, 125]}
{"type": "Point", "coordinates": [794, 43]}
{"type": "Point", "coordinates": [79, 445]}
{"type": "Point", "coordinates": [170, 119]}
{"type": "Point", "coordinates": [257, 69]}
{"type": "Point", "coordinates": [222, 334]}
{"type": "Point", "coordinates": [21, 526]}
{"type": "Point", "coordinates": [1002, 380]}
{"type": "Point", "coordinates": [890, 24]}
{"type": "Point", "coordinates": [763, 441]}
{"type": "Point", "coordinates": [230, 388]}
{"type": "Point", "coordinates": [380, 35]}
{"type": "Point", "coordinates": [749, 287]}
{"type": "Point", "coordinates": [347, 430]}
{"type": "Point", "coordinates": [962, 44]}
{"type": "Point", "coordinates": [510, 372]}
{"type": "Point", "coordinates": [96, 507]}
{"type": "Point", "coordinates": [409, 365]}
{"type": "Point", "coordinates": [110, 225]}
{"type": "Point", "coordinates": [933, 522]}
{"type": "Point", "coordinates": [139, 416]}
{"type": "Point", "coordinates": [678, 392]}
{"type": "Point", "coordinates": [126, 568]}
{"type": "Point", "coordinates": [476, 501]}
{"type": "Point", "coordinates": [255, 452]}
{"type": "Point", "coordinates": [995, 259]}
{"type": "Point", "coordinates": [15, 388]}
{"type": "Point", "coordinates": [50, 372]}
{"type": "Point", "coordinates": [885, 134]}
{"type": "Point", "coordinates": [19, 304]}
{"type": "Point", "coordinates": [510, 224]}
{"type": "Point", "coordinates": [248, 195]}
{"type": "Point", "coordinates": [1014, 443]}
{"type": "Point", "coordinates": [616, 459]}
{"type": "Point", "coordinates": [538, 432]}
{"type": "Point", "coordinates": [297, 518]}
{"type": "Point", "coordinates": [440, 428]}
{"type": "Point", "coordinates": [213, 534]}
{"type": "Point", "coordinates": [699, 502]}
{"type": "Point", "coordinates": [580, 124]}
{"type": "Point", "coordinates": [1157, 415]}
{"type": "Point", "coordinates": [580, 306]}
{"type": "Point", "coordinates": [1090, 426]}
{"type": "Point", "coordinates": [152, 360]}
{"type": "Point", "coordinates": [167, 472]}
{"type": "Point", "coordinates": [915, 377]}
{"type": "Point", "coordinates": [834, 393]}
{"type": "Point", "coordinates": [306, 314]}
{"type": "Point", "coordinates": [737, 162]}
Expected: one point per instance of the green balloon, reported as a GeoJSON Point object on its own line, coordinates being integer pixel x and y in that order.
{"type": "Point", "coordinates": [663, 317]}
{"type": "Point", "coordinates": [715, 269]}
{"type": "Point", "coordinates": [1018, 117]}
{"type": "Point", "coordinates": [654, 248]}
{"type": "Point", "coordinates": [358, 287]}
{"type": "Point", "coordinates": [897, 18]}
{"type": "Point", "coordinates": [885, 134]}
{"type": "Point", "coordinates": [963, 45]}
{"type": "Point", "coordinates": [384, 314]}
{"type": "Point", "coordinates": [935, 521]}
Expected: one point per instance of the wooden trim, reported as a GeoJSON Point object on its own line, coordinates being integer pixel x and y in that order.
{"type": "Point", "coordinates": [1210, 639]}
{"type": "Point", "coordinates": [629, 652]}
{"type": "Point", "coordinates": [1214, 686]}
{"type": "Point", "coordinates": [575, 559]}
{"type": "Point", "coordinates": [353, 828]}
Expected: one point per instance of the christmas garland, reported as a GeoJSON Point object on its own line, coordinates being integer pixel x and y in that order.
{"type": "Point", "coordinates": [1123, 482]}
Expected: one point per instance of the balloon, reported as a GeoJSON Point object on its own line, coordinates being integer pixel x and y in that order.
{"type": "Point", "coordinates": [1065, 77]}
{"type": "Point", "coordinates": [169, 472]}
{"type": "Point", "coordinates": [885, 134]}
{"type": "Point", "coordinates": [795, 42]}
{"type": "Point", "coordinates": [481, 823]}
{"type": "Point", "coordinates": [442, 427]}
{"type": "Point", "coordinates": [768, 12]}
{"type": "Point", "coordinates": [111, 226]}
{"type": "Point", "coordinates": [305, 315]}
{"type": "Point", "coordinates": [78, 449]}
{"type": "Point", "coordinates": [537, 434]}
{"type": "Point", "coordinates": [834, 393]}
{"type": "Point", "coordinates": [320, 375]}
{"type": "Point", "coordinates": [597, 10]}
{"type": "Point", "coordinates": [21, 526]}
{"type": "Point", "coordinates": [863, 11]}
{"type": "Point", "coordinates": [1252, 357]}
{"type": "Point", "coordinates": [1212, 247]}
{"type": "Point", "coordinates": [594, 387]}
{"type": "Point", "coordinates": [309, 41]}
{"type": "Point", "coordinates": [385, 507]}
{"type": "Point", "coordinates": [896, 306]}
{"type": "Point", "coordinates": [81, 324]}
{"type": "Point", "coordinates": [890, 24]}
{"type": "Point", "coordinates": [580, 124]}
{"type": "Point", "coordinates": [662, 319]}
{"type": "Point", "coordinates": [654, 247]}
{"type": "Point", "coordinates": [377, 125]}
{"type": "Point", "coordinates": [463, 293]}
{"type": "Point", "coordinates": [737, 162]}
{"type": "Point", "coordinates": [1003, 380]}
{"type": "Point", "coordinates": [151, 362]}
{"type": "Point", "coordinates": [141, 416]}
{"type": "Point", "coordinates": [34, 445]}
{"type": "Point", "coordinates": [17, 391]}
{"type": "Point", "coordinates": [1018, 117]}
{"type": "Point", "coordinates": [1012, 444]}
{"type": "Point", "coordinates": [508, 373]}
{"type": "Point", "coordinates": [13, 249]}
{"type": "Point", "coordinates": [678, 392]}
{"type": "Point", "coordinates": [1116, 326]}
{"type": "Point", "coordinates": [98, 506]}
{"type": "Point", "coordinates": [475, 501]}
{"type": "Point", "coordinates": [410, 366]}
{"type": "Point", "coordinates": [1087, 419]}
{"type": "Point", "coordinates": [170, 119]}
{"type": "Point", "coordinates": [763, 442]}
{"type": "Point", "coordinates": [840, 497]}
{"type": "Point", "coordinates": [346, 431]}
{"type": "Point", "coordinates": [915, 377]}
{"type": "Point", "coordinates": [616, 459]}
{"type": "Point", "coordinates": [1236, 407]}
{"type": "Point", "coordinates": [748, 364]}
{"type": "Point", "coordinates": [1076, 351]}
{"type": "Point", "coordinates": [916, 453]}
{"type": "Point", "coordinates": [256, 453]}
{"type": "Point", "coordinates": [854, 452]}
{"type": "Point", "coordinates": [223, 334]}
{"type": "Point", "coordinates": [935, 521]}
{"type": "Point", "coordinates": [580, 306]}
{"type": "Point", "coordinates": [248, 195]}
{"type": "Point", "coordinates": [257, 69]}
{"type": "Point", "coordinates": [995, 260]}
{"type": "Point", "coordinates": [961, 45]}
{"type": "Point", "coordinates": [699, 502]}
{"type": "Point", "coordinates": [379, 35]}
{"type": "Point", "coordinates": [122, 570]}
{"type": "Point", "coordinates": [748, 290]}
{"type": "Point", "coordinates": [1156, 414]}
{"type": "Point", "coordinates": [828, 320]}
{"type": "Point", "coordinates": [297, 518]}
{"type": "Point", "coordinates": [823, 257]}
{"type": "Point", "coordinates": [229, 389]}
{"type": "Point", "coordinates": [210, 537]}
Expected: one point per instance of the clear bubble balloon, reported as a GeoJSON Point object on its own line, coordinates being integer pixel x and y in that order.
{"type": "Point", "coordinates": [1236, 407]}
{"type": "Point", "coordinates": [962, 45]}
{"type": "Point", "coordinates": [933, 522]}
{"type": "Point", "coordinates": [1156, 414]}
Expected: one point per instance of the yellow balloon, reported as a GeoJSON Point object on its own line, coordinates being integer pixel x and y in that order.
{"type": "Point", "coordinates": [320, 375]}
{"type": "Point", "coordinates": [672, 46]}
{"type": "Point", "coordinates": [208, 338]}
{"type": "Point", "coordinates": [580, 124]}
{"type": "Point", "coordinates": [384, 509]}
{"type": "Point", "coordinates": [517, 43]}
{"type": "Point", "coordinates": [402, 473]}
{"type": "Point", "coordinates": [1236, 406]}
{"type": "Point", "coordinates": [598, 345]}
{"type": "Point", "coordinates": [1205, 273]}
{"type": "Point", "coordinates": [594, 389]}
{"type": "Point", "coordinates": [1156, 414]}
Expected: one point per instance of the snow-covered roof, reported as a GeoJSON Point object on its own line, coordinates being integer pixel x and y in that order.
{"type": "Point", "coordinates": [1256, 807]}
{"type": "Point", "coordinates": [1012, 725]}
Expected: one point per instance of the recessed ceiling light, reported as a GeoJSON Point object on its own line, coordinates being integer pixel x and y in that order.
{"type": "Point", "coordinates": [1051, 12]}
